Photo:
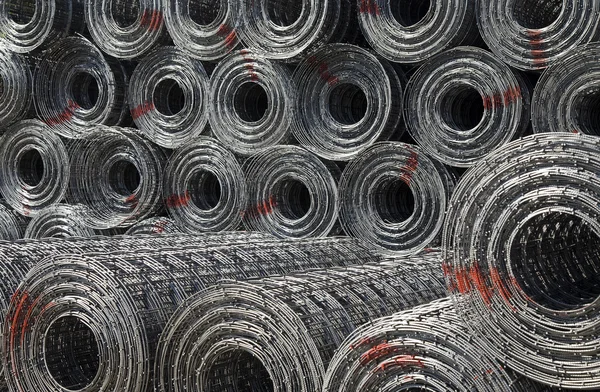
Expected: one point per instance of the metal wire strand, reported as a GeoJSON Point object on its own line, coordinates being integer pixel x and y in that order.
{"type": "Point", "coordinates": [347, 100]}
{"type": "Point", "coordinates": [156, 225]}
{"type": "Point", "coordinates": [34, 170]}
{"type": "Point", "coordinates": [463, 104]}
{"type": "Point", "coordinates": [291, 193]}
{"type": "Point", "coordinates": [59, 221]}
{"type": "Point", "coordinates": [521, 250]}
{"type": "Point", "coordinates": [531, 35]}
{"type": "Point", "coordinates": [15, 87]}
{"type": "Point", "coordinates": [252, 102]}
{"type": "Point", "coordinates": [204, 187]}
{"type": "Point", "coordinates": [12, 224]}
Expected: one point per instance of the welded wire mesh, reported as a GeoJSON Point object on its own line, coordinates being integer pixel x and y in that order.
{"type": "Point", "coordinates": [15, 87]}
{"type": "Point", "coordinates": [118, 305]}
{"type": "Point", "coordinates": [59, 221]}
{"type": "Point", "coordinates": [521, 243]}
{"type": "Point", "coordinates": [12, 224]}
{"type": "Point", "coordinates": [279, 333]}
{"type": "Point", "coordinates": [155, 225]}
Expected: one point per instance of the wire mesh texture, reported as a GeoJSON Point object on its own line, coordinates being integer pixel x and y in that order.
{"type": "Point", "coordinates": [154, 225]}
{"type": "Point", "coordinates": [15, 87]}
{"type": "Point", "coordinates": [12, 224]}
{"type": "Point", "coordinates": [521, 257]}
{"type": "Point", "coordinates": [59, 221]}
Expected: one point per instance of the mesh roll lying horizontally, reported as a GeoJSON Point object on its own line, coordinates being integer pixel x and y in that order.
{"type": "Point", "coordinates": [168, 97]}
{"type": "Point", "coordinates": [292, 193]}
{"type": "Point", "coordinates": [76, 87]}
{"type": "Point", "coordinates": [252, 102]}
{"type": "Point", "coordinates": [204, 187]}
{"type": "Point", "coordinates": [118, 304]}
{"type": "Point", "coordinates": [394, 197]}
{"type": "Point", "coordinates": [531, 35]}
{"type": "Point", "coordinates": [12, 224]}
{"type": "Point", "coordinates": [426, 349]}
{"type": "Point", "coordinates": [15, 87]}
{"type": "Point", "coordinates": [59, 221]}
{"type": "Point", "coordinates": [463, 104]}
{"type": "Point", "coordinates": [155, 225]}
{"type": "Point", "coordinates": [279, 333]}
{"type": "Point", "coordinates": [347, 100]}
{"type": "Point", "coordinates": [117, 176]}
{"type": "Point", "coordinates": [34, 169]}
{"type": "Point", "coordinates": [521, 242]}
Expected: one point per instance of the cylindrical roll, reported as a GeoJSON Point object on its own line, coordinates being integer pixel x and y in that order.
{"type": "Point", "coordinates": [124, 28]}
{"type": "Point", "coordinates": [252, 102]}
{"type": "Point", "coordinates": [12, 224]}
{"type": "Point", "coordinates": [75, 87]}
{"type": "Point", "coordinates": [521, 240]}
{"type": "Point", "coordinates": [156, 225]}
{"type": "Point", "coordinates": [15, 87]}
{"type": "Point", "coordinates": [394, 197]}
{"type": "Point", "coordinates": [168, 97]}
{"type": "Point", "coordinates": [463, 104]}
{"type": "Point", "coordinates": [59, 221]}
{"type": "Point", "coordinates": [414, 31]}
{"type": "Point", "coordinates": [117, 176]}
{"type": "Point", "coordinates": [347, 100]}
{"type": "Point", "coordinates": [34, 169]}
{"type": "Point", "coordinates": [291, 193]}
{"type": "Point", "coordinates": [204, 187]}
{"type": "Point", "coordinates": [531, 35]}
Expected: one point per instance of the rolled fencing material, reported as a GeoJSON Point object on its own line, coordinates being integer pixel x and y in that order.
{"type": "Point", "coordinates": [12, 224]}
{"type": "Point", "coordinates": [15, 87]}
{"type": "Point", "coordinates": [156, 225]}
{"type": "Point", "coordinates": [59, 221]}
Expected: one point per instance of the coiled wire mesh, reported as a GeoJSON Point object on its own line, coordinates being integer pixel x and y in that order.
{"type": "Point", "coordinates": [204, 187]}
{"type": "Point", "coordinates": [90, 322]}
{"type": "Point", "coordinates": [155, 225]}
{"type": "Point", "coordinates": [12, 224]}
{"type": "Point", "coordinates": [117, 176]}
{"type": "Point", "coordinates": [59, 221]}
{"type": "Point", "coordinates": [426, 348]}
{"type": "Point", "coordinates": [76, 87]}
{"type": "Point", "coordinates": [168, 97]}
{"type": "Point", "coordinates": [531, 35]}
{"type": "Point", "coordinates": [463, 104]}
{"type": "Point", "coordinates": [521, 250]}
{"type": "Point", "coordinates": [291, 193]}
{"type": "Point", "coordinates": [279, 333]}
{"type": "Point", "coordinates": [15, 87]}
{"type": "Point", "coordinates": [252, 102]}
{"type": "Point", "coordinates": [34, 169]}
{"type": "Point", "coordinates": [394, 197]}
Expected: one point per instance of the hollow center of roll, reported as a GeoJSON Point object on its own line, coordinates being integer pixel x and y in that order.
{"type": "Point", "coordinates": [124, 178]}
{"type": "Point", "coordinates": [409, 13]}
{"type": "Point", "coordinates": [284, 12]}
{"type": "Point", "coordinates": [125, 13]}
{"type": "Point", "coordinates": [204, 12]}
{"type": "Point", "coordinates": [347, 103]}
{"type": "Point", "coordinates": [394, 201]}
{"type": "Point", "coordinates": [245, 371]}
{"type": "Point", "coordinates": [251, 102]}
{"type": "Point", "coordinates": [21, 12]}
{"type": "Point", "coordinates": [71, 353]}
{"type": "Point", "coordinates": [556, 262]}
{"type": "Point", "coordinates": [296, 199]}
{"type": "Point", "coordinates": [585, 112]}
{"type": "Point", "coordinates": [31, 167]}
{"type": "Point", "coordinates": [168, 97]}
{"type": "Point", "coordinates": [85, 90]}
{"type": "Point", "coordinates": [205, 190]}
{"type": "Point", "coordinates": [462, 108]}
{"type": "Point", "coordinates": [536, 14]}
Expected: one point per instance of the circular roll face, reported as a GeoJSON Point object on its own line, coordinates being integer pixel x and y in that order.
{"type": "Point", "coordinates": [59, 221]}
{"type": "Point", "coordinates": [12, 225]}
{"type": "Point", "coordinates": [154, 226]}
{"type": "Point", "coordinates": [15, 91]}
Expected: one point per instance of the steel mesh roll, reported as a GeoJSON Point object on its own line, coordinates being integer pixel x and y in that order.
{"type": "Point", "coordinates": [204, 187]}
{"type": "Point", "coordinates": [533, 35]}
{"type": "Point", "coordinates": [156, 225]}
{"type": "Point", "coordinates": [59, 221]}
{"type": "Point", "coordinates": [520, 244]}
{"type": "Point", "coordinates": [291, 193]}
{"type": "Point", "coordinates": [463, 104]}
{"type": "Point", "coordinates": [34, 170]}
{"type": "Point", "coordinates": [76, 87]}
{"type": "Point", "coordinates": [117, 176]}
{"type": "Point", "coordinates": [12, 224]}
{"type": "Point", "coordinates": [15, 87]}
{"type": "Point", "coordinates": [168, 97]}
{"type": "Point", "coordinates": [252, 102]}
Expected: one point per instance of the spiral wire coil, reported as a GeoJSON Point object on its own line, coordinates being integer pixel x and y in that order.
{"type": "Point", "coordinates": [34, 170]}
{"type": "Point", "coordinates": [522, 260]}
{"type": "Point", "coordinates": [59, 221]}
{"type": "Point", "coordinates": [252, 102]}
{"type": "Point", "coordinates": [155, 225]}
{"type": "Point", "coordinates": [12, 224]}
{"type": "Point", "coordinates": [347, 100]}
{"type": "Point", "coordinates": [463, 104]}
{"type": "Point", "coordinates": [15, 87]}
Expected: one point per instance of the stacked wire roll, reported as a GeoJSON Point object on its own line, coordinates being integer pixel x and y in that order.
{"type": "Point", "coordinates": [12, 224]}
{"type": "Point", "coordinates": [59, 221]}
{"type": "Point", "coordinates": [279, 333]}
{"type": "Point", "coordinates": [522, 260]}
{"type": "Point", "coordinates": [463, 104]}
{"type": "Point", "coordinates": [155, 225]}
{"type": "Point", "coordinates": [15, 87]}
{"type": "Point", "coordinates": [121, 301]}
{"type": "Point", "coordinates": [426, 348]}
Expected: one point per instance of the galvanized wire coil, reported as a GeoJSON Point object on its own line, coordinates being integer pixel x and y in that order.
{"type": "Point", "coordinates": [521, 249]}
{"type": "Point", "coordinates": [252, 102]}
{"type": "Point", "coordinates": [347, 100]}
{"type": "Point", "coordinates": [532, 35]}
{"type": "Point", "coordinates": [15, 87]}
{"type": "Point", "coordinates": [155, 225]}
{"type": "Point", "coordinates": [168, 97]}
{"type": "Point", "coordinates": [204, 187]}
{"type": "Point", "coordinates": [59, 221]}
{"type": "Point", "coordinates": [34, 169]}
{"type": "Point", "coordinates": [291, 193]}
{"type": "Point", "coordinates": [12, 224]}
{"type": "Point", "coordinates": [90, 322]}
{"type": "Point", "coordinates": [426, 349]}
{"type": "Point", "coordinates": [117, 175]}
{"type": "Point", "coordinates": [394, 197]}
{"type": "Point", "coordinates": [415, 31]}
{"type": "Point", "coordinates": [279, 333]}
{"type": "Point", "coordinates": [76, 87]}
{"type": "Point", "coordinates": [463, 104]}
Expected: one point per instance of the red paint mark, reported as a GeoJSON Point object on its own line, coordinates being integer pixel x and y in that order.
{"type": "Point", "coordinates": [133, 200]}
{"type": "Point", "coordinates": [249, 65]}
{"type": "Point", "coordinates": [152, 19]}
{"type": "Point", "coordinates": [376, 352]}
{"type": "Point", "coordinates": [369, 7]}
{"type": "Point", "coordinates": [537, 51]}
{"type": "Point", "coordinates": [408, 170]}
{"type": "Point", "coordinates": [265, 207]}
{"type": "Point", "coordinates": [229, 34]}
{"type": "Point", "coordinates": [26, 210]}
{"type": "Point", "coordinates": [65, 115]}
{"type": "Point", "coordinates": [142, 109]}
{"type": "Point", "coordinates": [361, 342]}
{"type": "Point", "coordinates": [479, 282]}
{"type": "Point", "coordinates": [324, 71]}
{"type": "Point", "coordinates": [503, 99]}
{"type": "Point", "coordinates": [501, 288]}
{"type": "Point", "coordinates": [176, 201]}
{"type": "Point", "coordinates": [448, 271]}
{"type": "Point", "coordinates": [159, 227]}
{"type": "Point", "coordinates": [575, 131]}
{"type": "Point", "coordinates": [462, 281]}
{"type": "Point", "coordinates": [401, 361]}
